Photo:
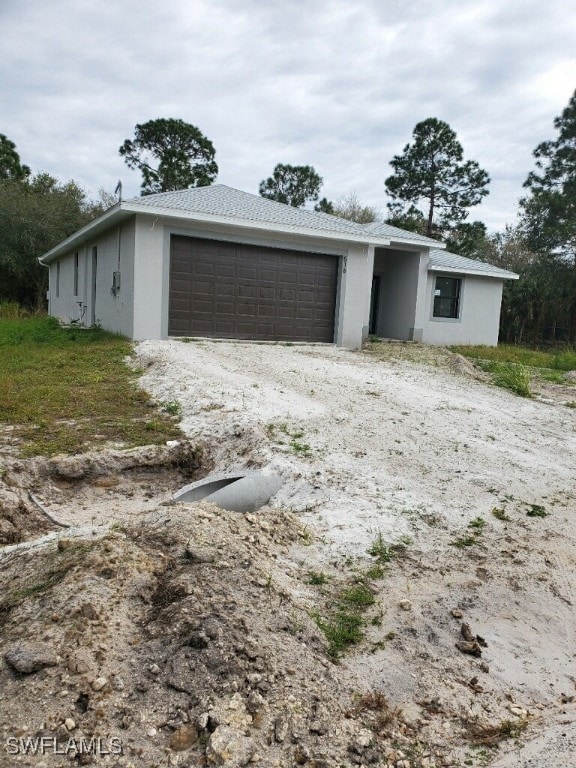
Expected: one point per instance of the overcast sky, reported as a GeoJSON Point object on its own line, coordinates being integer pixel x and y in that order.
{"type": "Point", "coordinates": [337, 84]}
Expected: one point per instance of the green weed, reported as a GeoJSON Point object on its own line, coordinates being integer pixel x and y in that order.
{"type": "Point", "coordinates": [341, 630]}
{"type": "Point", "coordinates": [317, 579]}
{"type": "Point", "coordinates": [536, 510]}
{"type": "Point", "coordinates": [172, 407]}
{"type": "Point", "coordinates": [357, 596]}
{"type": "Point", "coordinates": [385, 553]}
{"type": "Point", "coordinates": [464, 541]}
{"type": "Point", "coordinates": [513, 377]}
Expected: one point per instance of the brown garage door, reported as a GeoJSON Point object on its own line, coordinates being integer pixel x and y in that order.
{"type": "Point", "coordinates": [233, 291]}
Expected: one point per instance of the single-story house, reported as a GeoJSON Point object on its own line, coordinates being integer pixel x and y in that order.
{"type": "Point", "coordinates": [220, 263]}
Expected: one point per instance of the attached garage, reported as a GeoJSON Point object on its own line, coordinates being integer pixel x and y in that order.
{"type": "Point", "coordinates": [234, 291]}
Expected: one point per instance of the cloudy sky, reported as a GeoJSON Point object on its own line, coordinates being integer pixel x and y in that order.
{"type": "Point", "coordinates": [337, 84]}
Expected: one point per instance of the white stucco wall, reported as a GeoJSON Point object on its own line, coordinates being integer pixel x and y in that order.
{"type": "Point", "coordinates": [115, 253]}
{"type": "Point", "coordinates": [353, 300]}
{"type": "Point", "coordinates": [398, 292]}
{"type": "Point", "coordinates": [480, 300]}
{"type": "Point", "coordinates": [152, 274]}
{"type": "Point", "coordinates": [63, 303]}
{"type": "Point", "coordinates": [151, 270]}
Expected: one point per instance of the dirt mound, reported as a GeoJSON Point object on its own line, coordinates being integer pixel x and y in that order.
{"type": "Point", "coordinates": [29, 486]}
{"type": "Point", "coordinates": [185, 639]}
{"type": "Point", "coordinates": [464, 366]}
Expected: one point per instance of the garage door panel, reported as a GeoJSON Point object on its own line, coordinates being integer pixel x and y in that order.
{"type": "Point", "coordinates": [236, 291]}
{"type": "Point", "coordinates": [224, 308]}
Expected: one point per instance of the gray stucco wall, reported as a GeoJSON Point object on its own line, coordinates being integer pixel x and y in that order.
{"type": "Point", "coordinates": [479, 319]}
{"type": "Point", "coordinates": [398, 292]}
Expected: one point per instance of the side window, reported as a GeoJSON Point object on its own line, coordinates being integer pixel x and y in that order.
{"type": "Point", "coordinates": [76, 274]}
{"type": "Point", "coordinates": [447, 297]}
{"type": "Point", "coordinates": [57, 279]}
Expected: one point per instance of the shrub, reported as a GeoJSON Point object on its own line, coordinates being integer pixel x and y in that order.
{"type": "Point", "coordinates": [513, 377]}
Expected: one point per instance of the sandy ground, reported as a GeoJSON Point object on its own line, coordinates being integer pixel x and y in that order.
{"type": "Point", "coordinates": [400, 443]}
{"type": "Point", "coordinates": [387, 444]}
{"type": "Point", "coordinates": [395, 448]}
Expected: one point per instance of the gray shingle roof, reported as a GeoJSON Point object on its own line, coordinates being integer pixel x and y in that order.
{"type": "Point", "coordinates": [395, 233]}
{"type": "Point", "coordinates": [445, 261]}
{"type": "Point", "coordinates": [221, 200]}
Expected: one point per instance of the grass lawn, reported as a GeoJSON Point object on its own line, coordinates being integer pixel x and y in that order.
{"type": "Point", "coordinates": [564, 360]}
{"type": "Point", "coordinates": [513, 367]}
{"type": "Point", "coordinates": [69, 390]}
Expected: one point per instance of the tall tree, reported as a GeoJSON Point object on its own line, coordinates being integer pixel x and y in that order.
{"type": "Point", "coordinates": [549, 209]}
{"type": "Point", "coordinates": [35, 216]}
{"type": "Point", "coordinates": [349, 207]}
{"type": "Point", "coordinates": [171, 155]}
{"type": "Point", "coordinates": [11, 169]}
{"type": "Point", "coordinates": [406, 217]}
{"type": "Point", "coordinates": [294, 185]}
{"type": "Point", "coordinates": [431, 172]}
{"type": "Point", "coordinates": [324, 206]}
{"type": "Point", "coordinates": [468, 239]}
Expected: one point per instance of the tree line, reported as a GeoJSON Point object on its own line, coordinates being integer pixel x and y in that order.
{"type": "Point", "coordinates": [431, 189]}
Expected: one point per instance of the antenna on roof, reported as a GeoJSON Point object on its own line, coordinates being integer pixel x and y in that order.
{"type": "Point", "coordinates": [118, 191]}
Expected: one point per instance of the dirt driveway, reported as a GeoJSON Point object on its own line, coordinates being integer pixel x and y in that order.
{"type": "Point", "coordinates": [479, 481]}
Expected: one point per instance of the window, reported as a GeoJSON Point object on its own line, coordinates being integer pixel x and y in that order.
{"type": "Point", "coordinates": [447, 297]}
{"type": "Point", "coordinates": [57, 279]}
{"type": "Point", "coordinates": [76, 274]}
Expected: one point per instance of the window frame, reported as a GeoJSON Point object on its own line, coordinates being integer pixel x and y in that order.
{"type": "Point", "coordinates": [455, 297]}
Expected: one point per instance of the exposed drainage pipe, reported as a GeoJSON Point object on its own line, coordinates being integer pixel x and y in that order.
{"type": "Point", "coordinates": [234, 491]}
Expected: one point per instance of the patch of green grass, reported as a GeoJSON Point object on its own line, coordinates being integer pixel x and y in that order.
{"type": "Point", "coordinates": [357, 596]}
{"type": "Point", "coordinates": [478, 524]}
{"type": "Point", "coordinates": [172, 407]}
{"type": "Point", "coordinates": [512, 729]}
{"type": "Point", "coordinates": [500, 514]}
{"type": "Point", "coordinates": [70, 390]}
{"type": "Point", "coordinates": [514, 377]}
{"type": "Point", "coordinates": [341, 630]}
{"type": "Point", "coordinates": [464, 541]}
{"type": "Point", "coordinates": [375, 572]}
{"type": "Point", "coordinates": [317, 578]}
{"type": "Point", "coordinates": [549, 374]}
{"type": "Point", "coordinates": [383, 552]}
{"type": "Point", "coordinates": [564, 360]}
{"type": "Point", "coordinates": [11, 310]}
{"type": "Point", "coordinates": [300, 449]}
{"type": "Point", "coordinates": [536, 510]}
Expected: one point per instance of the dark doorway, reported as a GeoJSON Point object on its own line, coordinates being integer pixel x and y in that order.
{"type": "Point", "coordinates": [374, 302]}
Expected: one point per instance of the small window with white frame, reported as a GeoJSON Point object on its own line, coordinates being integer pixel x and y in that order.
{"type": "Point", "coordinates": [447, 291]}
{"type": "Point", "coordinates": [76, 274]}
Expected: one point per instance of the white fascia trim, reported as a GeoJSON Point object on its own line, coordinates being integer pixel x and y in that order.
{"type": "Point", "coordinates": [243, 223]}
{"type": "Point", "coordinates": [454, 271]}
